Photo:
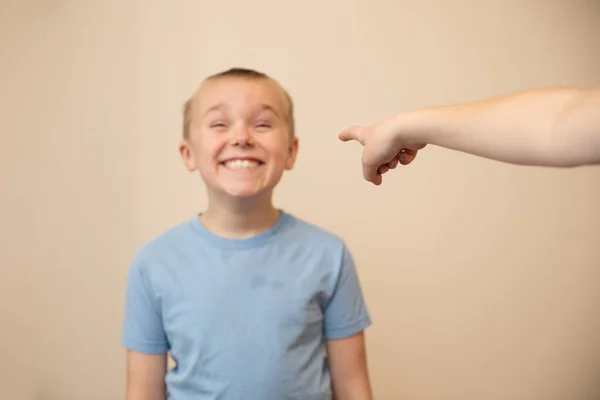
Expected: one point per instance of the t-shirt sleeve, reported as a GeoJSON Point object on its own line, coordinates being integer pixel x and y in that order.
{"type": "Point", "coordinates": [346, 313]}
{"type": "Point", "coordinates": [142, 323]}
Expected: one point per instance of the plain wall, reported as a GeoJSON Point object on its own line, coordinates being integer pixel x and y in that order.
{"type": "Point", "coordinates": [483, 278]}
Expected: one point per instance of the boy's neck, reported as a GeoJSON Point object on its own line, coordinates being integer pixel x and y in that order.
{"type": "Point", "coordinates": [241, 220]}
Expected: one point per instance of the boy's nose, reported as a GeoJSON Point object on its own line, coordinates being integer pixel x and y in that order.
{"type": "Point", "coordinates": [241, 136]}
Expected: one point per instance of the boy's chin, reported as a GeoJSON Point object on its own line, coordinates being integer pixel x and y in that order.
{"type": "Point", "coordinates": [245, 194]}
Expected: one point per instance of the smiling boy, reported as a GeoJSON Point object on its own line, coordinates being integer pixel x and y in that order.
{"type": "Point", "coordinates": [251, 302]}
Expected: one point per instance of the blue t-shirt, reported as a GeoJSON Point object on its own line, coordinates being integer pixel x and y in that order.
{"type": "Point", "coordinates": [244, 319]}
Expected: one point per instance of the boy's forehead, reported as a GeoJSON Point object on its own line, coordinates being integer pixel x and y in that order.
{"type": "Point", "coordinates": [225, 91]}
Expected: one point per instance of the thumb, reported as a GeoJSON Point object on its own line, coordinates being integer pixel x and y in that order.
{"type": "Point", "coordinates": [352, 133]}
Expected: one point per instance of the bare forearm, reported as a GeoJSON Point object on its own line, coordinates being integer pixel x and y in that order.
{"type": "Point", "coordinates": [146, 376]}
{"type": "Point", "coordinates": [353, 384]}
{"type": "Point", "coordinates": [148, 393]}
{"type": "Point", "coordinates": [353, 391]}
{"type": "Point", "coordinates": [348, 366]}
{"type": "Point", "coordinates": [554, 127]}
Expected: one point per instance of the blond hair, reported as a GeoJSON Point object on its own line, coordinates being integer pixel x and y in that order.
{"type": "Point", "coordinates": [239, 73]}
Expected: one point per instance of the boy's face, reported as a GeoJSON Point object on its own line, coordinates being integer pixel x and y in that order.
{"type": "Point", "coordinates": [239, 139]}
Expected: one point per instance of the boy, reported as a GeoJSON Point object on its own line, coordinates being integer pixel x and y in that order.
{"type": "Point", "coordinates": [251, 302]}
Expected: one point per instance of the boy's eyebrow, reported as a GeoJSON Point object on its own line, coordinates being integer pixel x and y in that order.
{"type": "Point", "coordinates": [263, 107]}
{"type": "Point", "coordinates": [215, 108]}
{"type": "Point", "coordinates": [270, 108]}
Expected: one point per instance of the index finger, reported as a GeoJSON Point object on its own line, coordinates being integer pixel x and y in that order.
{"type": "Point", "coordinates": [352, 133]}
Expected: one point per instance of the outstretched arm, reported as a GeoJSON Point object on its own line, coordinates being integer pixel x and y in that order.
{"type": "Point", "coordinates": [557, 127]}
{"type": "Point", "coordinates": [552, 127]}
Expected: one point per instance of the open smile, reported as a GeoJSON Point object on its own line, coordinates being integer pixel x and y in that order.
{"type": "Point", "coordinates": [241, 163]}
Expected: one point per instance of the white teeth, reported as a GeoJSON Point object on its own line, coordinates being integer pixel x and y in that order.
{"type": "Point", "coordinates": [239, 164]}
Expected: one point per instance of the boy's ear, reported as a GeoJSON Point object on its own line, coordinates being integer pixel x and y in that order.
{"type": "Point", "coordinates": [292, 153]}
{"type": "Point", "coordinates": [187, 155]}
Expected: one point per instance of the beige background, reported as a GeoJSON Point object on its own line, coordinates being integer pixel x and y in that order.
{"type": "Point", "coordinates": [483, 278]}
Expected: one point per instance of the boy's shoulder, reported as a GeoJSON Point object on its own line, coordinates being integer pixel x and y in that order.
{"type": "Point", "coordinates": [169, 240]}
{"type": "Point", "coordinates": [315, 233]}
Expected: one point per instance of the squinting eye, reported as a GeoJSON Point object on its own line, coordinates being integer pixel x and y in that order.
{"type": "Point", "coordinates": [263, 125]}
{"type": "Point", "coordinates": [218, 125]}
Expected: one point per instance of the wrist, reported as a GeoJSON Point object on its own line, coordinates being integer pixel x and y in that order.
{"type": "Point", "coordinates": [410, 128]}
